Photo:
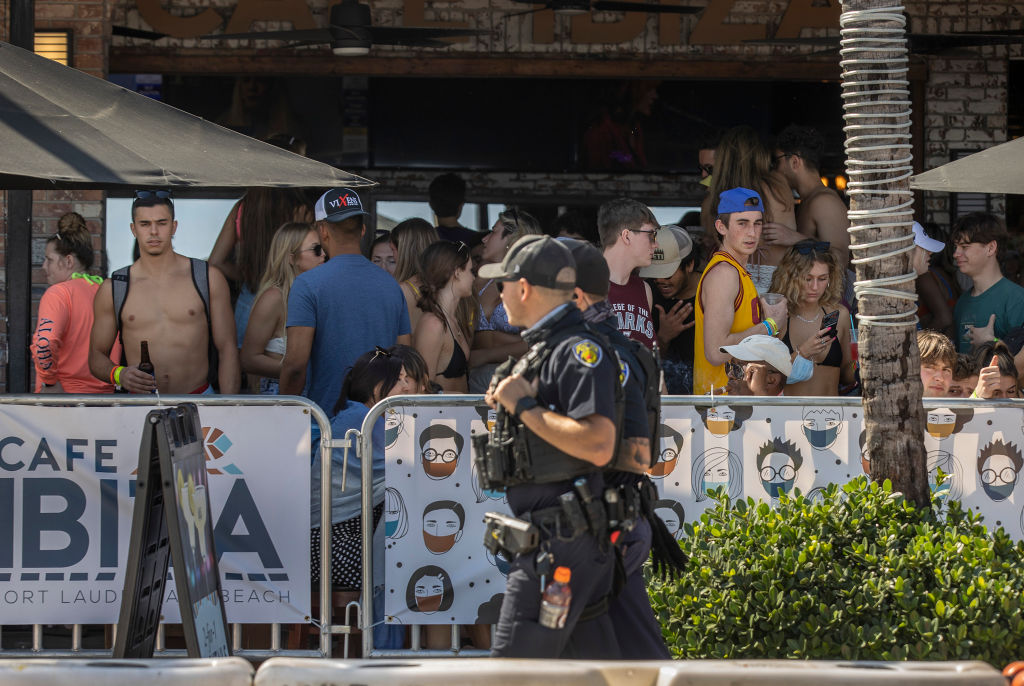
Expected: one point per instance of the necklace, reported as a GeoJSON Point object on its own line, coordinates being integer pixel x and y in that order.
{"type": "Point", "coordinates": [807, 321]}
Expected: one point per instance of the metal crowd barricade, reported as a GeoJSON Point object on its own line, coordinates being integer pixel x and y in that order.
{"type": "Point", "coordinates": [453, 401]}
{"type": "Point", "coordinates": [327, 629]}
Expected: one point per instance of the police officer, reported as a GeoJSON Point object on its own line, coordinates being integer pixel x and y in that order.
{"type": "Point", "coordinates": [559, 407]}
{"type": "Point", "coordinates": [636, 629]}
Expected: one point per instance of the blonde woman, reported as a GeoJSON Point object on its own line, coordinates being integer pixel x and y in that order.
{"type": "Point", "coordinates": [409, 240]}
{"type": "Point", "coordinates": [809, 277]}
{"type": "Point", "coordinates": [294, 249]}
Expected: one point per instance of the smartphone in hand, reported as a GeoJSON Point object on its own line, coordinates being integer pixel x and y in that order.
{"type": "Point", "coordinates": [830, 321]}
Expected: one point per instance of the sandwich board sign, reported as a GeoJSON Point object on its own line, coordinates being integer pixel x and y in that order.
{"type": "Point", "coordinates": [171, 521]}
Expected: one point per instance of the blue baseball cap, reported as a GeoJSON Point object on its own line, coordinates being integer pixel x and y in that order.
{"type": "Point", "coordinates": [740, 200]}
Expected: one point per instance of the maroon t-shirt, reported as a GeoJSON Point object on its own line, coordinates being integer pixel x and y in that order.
{"type": "Point", "coordinates": [629, 302]}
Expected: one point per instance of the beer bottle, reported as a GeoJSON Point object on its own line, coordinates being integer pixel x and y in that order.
{"type": "Point", "coordinates": [144, 363]}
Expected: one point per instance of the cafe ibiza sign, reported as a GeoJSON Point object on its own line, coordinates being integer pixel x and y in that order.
{"type": "Point", "coordinates": [712, 26]}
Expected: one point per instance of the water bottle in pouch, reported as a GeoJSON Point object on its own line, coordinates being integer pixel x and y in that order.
{"type": "Point", "coordinates": [554, 604]}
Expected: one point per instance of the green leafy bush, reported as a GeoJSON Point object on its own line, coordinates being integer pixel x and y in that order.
{"type": "Point", "coordinates": [862, 574]}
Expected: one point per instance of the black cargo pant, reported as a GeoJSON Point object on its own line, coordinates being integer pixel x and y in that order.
{"type": "Point", "coordinates": [519, 635]}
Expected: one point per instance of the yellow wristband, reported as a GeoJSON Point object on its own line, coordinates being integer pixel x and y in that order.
{"type": "Point", "coordinates": [116, 375]}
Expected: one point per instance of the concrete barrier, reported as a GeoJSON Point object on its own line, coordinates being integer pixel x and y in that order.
{"type": "Point", "coordinates": [453, 672]}
{"type": "Point", "coordinates": [227, 671]}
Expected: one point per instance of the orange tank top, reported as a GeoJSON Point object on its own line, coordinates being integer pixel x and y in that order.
{"type": "Point", "coordinates": [746, 313]}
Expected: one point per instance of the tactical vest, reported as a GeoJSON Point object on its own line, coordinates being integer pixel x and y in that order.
{"type": "Point", "coordinates": [512, 454]}
{"type": "Point", "coordinates": [648, 362]}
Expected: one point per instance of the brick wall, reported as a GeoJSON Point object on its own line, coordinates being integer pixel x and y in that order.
{"type": "Point", "coordinates": [86, 18]}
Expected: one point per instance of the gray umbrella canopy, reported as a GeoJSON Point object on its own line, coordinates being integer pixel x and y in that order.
{"type": "Point", "coordinates": [61, 128]}
{"type": "Point", "coordinates": [999, 169]}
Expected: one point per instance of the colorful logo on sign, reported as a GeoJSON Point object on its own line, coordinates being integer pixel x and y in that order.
{"type": "Point", "coordinates": [216, 444]}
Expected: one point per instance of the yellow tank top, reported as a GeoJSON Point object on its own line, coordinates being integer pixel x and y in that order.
{"type": "Point", "coordinates": [746, 313]}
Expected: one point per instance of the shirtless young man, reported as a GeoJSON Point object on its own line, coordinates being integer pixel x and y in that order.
{"type": "Point", "coordinates": [164, 308]}
{"type": "Point", "coordinates": [821, 213]}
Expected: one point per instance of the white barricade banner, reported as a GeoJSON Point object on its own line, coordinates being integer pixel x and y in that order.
{"type": "Point", "coordinates": [67, 485]}
{"type": "Point", "coordinates": [438, 572]}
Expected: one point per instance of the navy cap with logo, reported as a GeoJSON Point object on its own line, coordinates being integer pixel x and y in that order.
{"type": "Point", "coordinates": [739, 200]}
{"type": "Point", "coordinates": [538, 259]}
{"type": "Point", "coordinates": [592, 274]}
{"type": "Point", "coordinates": [337, 205]}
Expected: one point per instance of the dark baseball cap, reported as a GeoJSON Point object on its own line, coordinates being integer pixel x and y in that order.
{"type": "Point", "coordinates": [592, 274]}
{"type": "Point", "coordinates": [337, 205]}
{"type": "Point", "coordinates": [538, 259]}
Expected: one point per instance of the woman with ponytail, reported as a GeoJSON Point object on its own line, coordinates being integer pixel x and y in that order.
{"type": "Point", "coordinates": [443, 341]}
{"type": "Point", "coordinates": [60, 345]}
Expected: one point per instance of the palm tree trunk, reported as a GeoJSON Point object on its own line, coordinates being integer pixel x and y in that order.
{"type": "Point", "coordinates": [876, 102]}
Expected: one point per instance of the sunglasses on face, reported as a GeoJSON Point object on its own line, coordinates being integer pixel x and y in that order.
{"type": "Point", "coordinates": [706, 169]}
{"type": "Point", "coordinates": [807, 247]}
{"type": "Point", "coordinates": [317, 250]}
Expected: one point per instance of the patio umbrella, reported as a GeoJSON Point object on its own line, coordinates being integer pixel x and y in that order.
{"type": "Point", "coordinates": [61, 128]}
{"type": "Point", "coordinates": [1000, 169]}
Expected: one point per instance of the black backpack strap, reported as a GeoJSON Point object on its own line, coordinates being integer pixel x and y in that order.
{"type": "Point", "coordinates": [201, 281]}
{"type": "Point", "coordinates": [120, 280]}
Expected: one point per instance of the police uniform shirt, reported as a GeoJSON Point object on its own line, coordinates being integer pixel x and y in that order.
{"type": "Point", "coordinates": [578, 380]}
{"type": "Point", "coordinates": [634, 381]}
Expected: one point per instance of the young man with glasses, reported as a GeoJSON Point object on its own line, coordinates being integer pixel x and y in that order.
{"type": "Point", "coordinates": [189, 332]}
{"type": "Point", "coordinates": [341, 309]}
{"type": "Point", "coordinates": [628, 230]}
{"type": "Point", "coordinates": [728, 308]}
{"type": "Point", "coordinates": [821, 213]}
{"type": "Point", "coordinates": [995, 305]}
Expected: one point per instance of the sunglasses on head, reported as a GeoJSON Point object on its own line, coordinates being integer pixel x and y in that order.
{"type": "Point", "coordinates": [379, 352]}
{"type": "Point", "coordinates": [807, 247]}
{"type": "Point", "coordinates": [146, 195]}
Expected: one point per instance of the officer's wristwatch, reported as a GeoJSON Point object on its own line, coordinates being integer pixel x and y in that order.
{"type": "Point", "coordinates": [525, 403]}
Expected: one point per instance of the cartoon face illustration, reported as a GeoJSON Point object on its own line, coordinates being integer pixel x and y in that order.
{"type": "Point", "coordinates": [396, 517]}
{"type": "Point", "coordinates": [714, 468]}
{"type": "Point", "coordinates": [442, 525]}
{"type": "Point", "coordinates": [720, 420]}
{"type": "Point", "coordinates": [500, 561]}
{"type": "Point", "coordinates": [940, 423]}
{"type": "Point", "coordinates": [670, 445]}
{"type": "Point", "coordinates": [393, 424]}
{"type": "Point", "coordinates": [949, 465]}
{"type": "Point", "coordinates": [429, 590]}
{"type": "Point", "coordinates": [777, 464]}
{"type": "Point", "coordinates": [671, 512]}
{"type": "Point", "coordinates": [999, 464]}
{"type": "Point", "coordinates": [440, 447]}
{"type": "Point", "coordinates": [822, 426]}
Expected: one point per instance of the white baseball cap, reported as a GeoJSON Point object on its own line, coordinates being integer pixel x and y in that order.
{"type": "Point", "coordinates": [674, 244]}
{"type": "Point", "coordinates": [760, 347]}
{"type": "Point", "coordinates": [923, 240]}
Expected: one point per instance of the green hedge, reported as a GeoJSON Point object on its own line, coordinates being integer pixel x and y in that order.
{"type": "Point", "coordinates": [861, 574]}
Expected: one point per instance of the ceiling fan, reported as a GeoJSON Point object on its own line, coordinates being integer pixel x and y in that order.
{"type": "Point", "coordinates": [577, 7]}
{"type": "Point", "coordinates": [350, 32]}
